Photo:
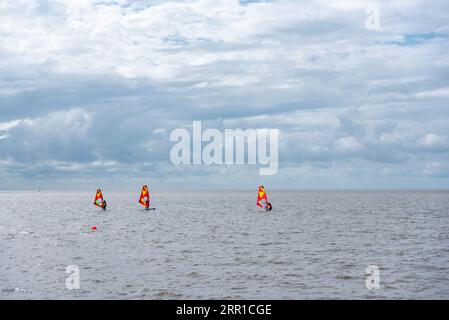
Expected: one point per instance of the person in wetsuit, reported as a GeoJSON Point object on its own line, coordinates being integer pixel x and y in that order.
{"type": "Point", "coordinates": [104, 205]}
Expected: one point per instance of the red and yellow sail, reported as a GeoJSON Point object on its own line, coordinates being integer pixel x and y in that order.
{"type": "Point", "coordinates": [145, 197]}
{"type": "Point", "coordinates": [99, 201]}
{"type": "Point", "coordinates": [262, 195]}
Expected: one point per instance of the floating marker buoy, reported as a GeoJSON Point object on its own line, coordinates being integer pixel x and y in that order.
{"type": "Point", "coordinates": [94, 228]}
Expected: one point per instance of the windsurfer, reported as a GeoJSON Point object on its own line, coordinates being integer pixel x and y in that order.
{"type": "Point", "coordinates": [104, 205]}
{"type": "Point", "coordinates": [262, 199]}
{"type": "Point", "coordinates": [145, 197]}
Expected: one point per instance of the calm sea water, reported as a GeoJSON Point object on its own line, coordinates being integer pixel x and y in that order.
{"type": "Point", "coordinates": [219, 245]}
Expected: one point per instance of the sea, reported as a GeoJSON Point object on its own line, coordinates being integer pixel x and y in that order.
{"type": "Point", "coordinates": [220, 245]}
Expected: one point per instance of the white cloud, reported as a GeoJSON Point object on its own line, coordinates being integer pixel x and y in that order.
{"type": "Point", "coordinates": [431, 139]}
{"type": "Point", "coordinates": [437, 93]}
{"type": "Point", "coordinates": [347, 144]}
{"type": "Point", "coordinates": [5, 126]}
{"type": "Point", "coordinates": [159, 130]}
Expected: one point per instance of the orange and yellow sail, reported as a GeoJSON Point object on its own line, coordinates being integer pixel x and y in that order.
{"type": "Point", "coordinates": [145, 197]}
{"type": "Point", "coordinates": [262, 195]}
{"type": "Point", "coordinates": [99, 201]}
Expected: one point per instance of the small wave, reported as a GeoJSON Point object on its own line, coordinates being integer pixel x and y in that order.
{"type": "Point", "coordinates": [239, 288]}
{"type": "Point", "coordinates": [193, 275]}
{"type": "Point", "coordinates": [272, 243]}
{"type": "Point", "coordinates": [277, 262]}
{"type": "Point", "coordinates": [167, 293]}
{"type": "Point", "coordinates": [294, 275]}
{"type": "Point", "coordinates": [344, 277]}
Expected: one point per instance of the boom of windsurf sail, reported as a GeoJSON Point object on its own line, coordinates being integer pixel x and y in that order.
{"type": "Point", "coordinates": [145, 197]}
{"type": "Point", "coordinates": [99, 201]}
{"type": "Point", "coordinates": [262, 197]}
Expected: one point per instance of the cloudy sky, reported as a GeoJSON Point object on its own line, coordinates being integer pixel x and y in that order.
{"type": "Point", "coordinates": [90, 91]}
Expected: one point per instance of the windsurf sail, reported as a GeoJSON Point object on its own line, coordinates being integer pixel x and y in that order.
{"type": "Point", "coordinates": [262, 198]}
{"type": "Point", "coordinates": [145, 197]}
{"type": "Point", "coordinates": [99, 201]}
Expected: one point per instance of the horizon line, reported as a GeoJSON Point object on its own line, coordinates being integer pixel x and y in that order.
{"type": "Point", "coordinates": [236, 190]}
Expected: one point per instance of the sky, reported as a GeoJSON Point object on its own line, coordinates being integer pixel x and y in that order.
{"type": "Point", "coordinates": [91, 90]}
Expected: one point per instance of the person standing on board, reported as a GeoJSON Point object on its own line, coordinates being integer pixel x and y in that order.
{"type": "Point", "coordinates": [268, 207]}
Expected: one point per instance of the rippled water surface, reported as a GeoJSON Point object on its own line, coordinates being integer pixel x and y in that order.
{"type": "Point", "coordinates": [218, 245]}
